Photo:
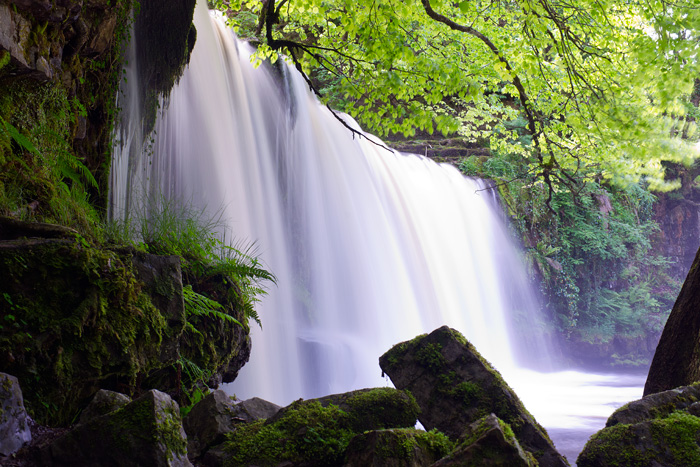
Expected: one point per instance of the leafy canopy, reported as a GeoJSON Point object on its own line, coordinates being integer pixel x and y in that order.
{"type": "Point", "coordinates": [601, 83]}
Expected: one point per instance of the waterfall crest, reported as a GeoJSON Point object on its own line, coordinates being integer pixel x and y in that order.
{"type": "Point", "coordinates": [370, 247]}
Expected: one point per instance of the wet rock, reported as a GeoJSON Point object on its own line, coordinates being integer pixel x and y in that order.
{"type": "Point", "coordinates": [455, 386]}
{"type": "Point", "coordinates": [488, 442]}
{"type": "Point", "coordinates": [14, 426]}
{"type": "Point", "coordinates": [396, 448]}
{"type": "Point", "coordinates": [375, 409]}
{"type": "Point", "coordinates": [254, 409]}
{"type": "Point", "coordinates": [87, 318]}
{"type": "Point", "coordinates": [208, 421]}
{"type": "Point", "coordinates": [670, 441]}
{"type": "Point", "coordinates": [314, 432]}
{"type": "Point", "coordinates": [14, 34]}
{"type": "Point", "coordinates": [676, 359]}
{"type": "Point", "coordinates": [103, 403]}
{"type": "Point", "coordinates": [661, 429]}
{"type": "Point", "coordinates": [147, 431]}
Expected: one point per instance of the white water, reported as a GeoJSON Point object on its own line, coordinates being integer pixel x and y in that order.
{"type": "Point", "coordinates": [370, 247]}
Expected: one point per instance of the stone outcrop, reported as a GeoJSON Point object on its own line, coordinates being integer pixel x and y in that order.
{"type": "Point", "coordinates": [14, 423]}
{"type": "Point", "coordinates": [254, 409]}
{"type": "Point", "coordinates": [677, 358]}
{"type": "Point", "coordinates": [147, 431]}
{"type": "Point", "coordinates": [488, 442]}
{"type": "Point", "coordinates": [454, 387]}
{"type": "Point", "coordinates": [662, 429]}
{"type": "Point", "coordinates": [396, 448]}
{"type": "Point", "coordinates": [208, 421]}
{"type": "Point", "coordinates": [103, 403]}
{"type": "Point", "coordinates": [83, 319]}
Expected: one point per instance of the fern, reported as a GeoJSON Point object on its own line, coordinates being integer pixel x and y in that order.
{"type": "Point", "coordinates": [198, 305]}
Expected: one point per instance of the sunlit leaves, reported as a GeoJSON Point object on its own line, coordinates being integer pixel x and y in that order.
{"type": "Point", "coordinates": [606, 80]}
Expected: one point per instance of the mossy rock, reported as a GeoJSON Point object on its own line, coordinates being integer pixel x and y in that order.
{"type": "Point", "coordinates": [670, 441]}
{"type": "Point", "coordinates": [402, 447]}
{"type": "Point", "coordinates": [317, 432]}
{"type": "Point", "coordinates": [455, 386]}
{"type": "Point", "coordinates": [147, 431]}
{"type": "Point", "coordinates": [76, 318]}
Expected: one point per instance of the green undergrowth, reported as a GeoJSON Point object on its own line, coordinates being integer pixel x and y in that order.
{"type": "Point", "coordinates": [590, 251]}
{"type": "Point", "coordinates": [73, 316]}
{"type": "Point", "coordinates": [41, 179]}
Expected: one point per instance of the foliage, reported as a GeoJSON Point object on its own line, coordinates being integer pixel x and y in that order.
{"type": "Point", "coordinates": [592, 253]}
{"type": "Point", "coordinates": [167, 227]}
{"type": "Point", "coordinates": [41, 178]}
{"type": "Point", "coordinates": [598, 84]}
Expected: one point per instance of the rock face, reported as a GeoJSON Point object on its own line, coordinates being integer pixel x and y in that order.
{"type": "Point", "coordinates": [677, 358]}
{"type": "Point", "coordinates": [146, 431]}
{"type": "Point", "coordinates": [14, 427]}
{"type": "Point", "coordinates": [396, 448]}
{"type": "Point", "coordinates": [83, 319]}
{"type": "Point", "coordinates": [661, 430]}
{"type": "Point", "coordinates": [455, 386]}
{"type": "Point", "coordinates": [208, 421]}
{"type": "Point", "coordinates": [488, 442]}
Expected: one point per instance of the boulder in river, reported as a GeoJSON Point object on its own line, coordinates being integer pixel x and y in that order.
{"type": "Point", "coordinates": [455, 386]}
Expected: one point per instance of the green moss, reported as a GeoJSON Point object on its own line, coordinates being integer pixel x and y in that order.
{"type": "Point", "coordinates": [672, 440]}
{"type": "Point", "coordinates": [430, 357]}
{"type": "Point", "coordinates": [305, 433]}
{"type": "Point", "coordinates": [382, 408]}
{"type": "Point", "coordinates": [80, 317]}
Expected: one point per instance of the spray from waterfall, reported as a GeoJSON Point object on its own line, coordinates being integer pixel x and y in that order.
{"type": "Point", "coordinates": [370, 247]}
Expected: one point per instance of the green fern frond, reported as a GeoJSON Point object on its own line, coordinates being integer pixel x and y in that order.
{"type": "Point", "coordinates": [199, 305]}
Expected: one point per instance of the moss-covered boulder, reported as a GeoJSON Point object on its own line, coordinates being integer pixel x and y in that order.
{"type": "Point", "coordinates": [76, 319]}
{"type": "Point", "coordinates": [314, 432]}
{"type": "Point", "coordinates": [404, 447]}
{"type": "Point", "coordinates": [677, 358]}
{"type": "Point", "coordinates": [455, 386]}
{"type": "Point", "coordinates": [147, 431]}
{"type": "Point", "coordinates": [488, 442]}
{"type": "Point", "coordinates": [103, 403]}
{"type": "Point", "coordinates": [670, 441]}
{"type": "Point", "coordinates": [374, 409]}
{"type": "Point", "coordinates": [661, 429]}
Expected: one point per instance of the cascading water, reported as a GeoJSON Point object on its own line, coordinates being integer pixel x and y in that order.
{"type": "Point", "coordinates": [370, 247]}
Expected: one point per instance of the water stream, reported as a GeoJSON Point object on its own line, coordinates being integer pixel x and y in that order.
{"type": "Point", "coordinates": [370, 247]}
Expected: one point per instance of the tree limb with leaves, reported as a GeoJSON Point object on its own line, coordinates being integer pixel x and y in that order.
{"type": "Point", "coordinates": [602, 84]}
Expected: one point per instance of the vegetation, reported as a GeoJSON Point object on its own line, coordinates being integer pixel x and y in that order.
{"type": "Point", "coordinates": [591, 252]}
{"type": "Point", "coordinates": [584, 77]}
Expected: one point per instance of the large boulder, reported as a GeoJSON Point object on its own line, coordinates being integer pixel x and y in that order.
{"type": "Point", "coordinates": [455, 386]}
{"type": "Point", "coordinates": [208, 421]}
{"type": "Point", "coordinates": [83, 318]}
{"type": "Point", "coordinates": [14, 426]}
{"type": "Point", "coordinates": [403, 447]}
{"type": "Point", "coordinates": [661, 430]}
{"type": "Point", "coordinates": [488, 442]}
{"type": "Point", "coordinates": [254, 409]}
{"type": "Point", "coordinates": [147, 431]}
{"type": "Point", "coordinates": [677, 358]}
{"type": "Point", "coordinates": [314, 432]}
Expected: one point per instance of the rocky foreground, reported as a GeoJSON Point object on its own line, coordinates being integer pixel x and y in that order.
{"type": "Point", "coordinates": [473, 418]}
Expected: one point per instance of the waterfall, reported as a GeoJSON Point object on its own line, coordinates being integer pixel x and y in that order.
{"type": "Point", "coordinates": [370, 246]}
